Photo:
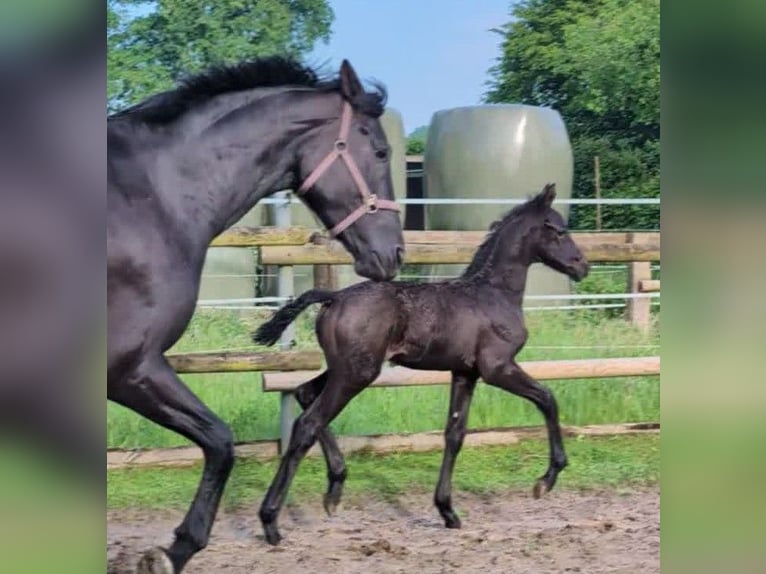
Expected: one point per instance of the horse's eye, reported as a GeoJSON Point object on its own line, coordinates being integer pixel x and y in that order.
{"type": "Point", "coordinates": [364, 131]}
{"type": "Point", "coordinates": [381, 154]}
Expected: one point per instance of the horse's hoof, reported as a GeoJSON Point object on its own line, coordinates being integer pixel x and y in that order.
{"type": "Point", "coordinates": [272, 535]}
{"type": "Point", "coordinates": [155, 561]}
{"type": "Point", "coordinates": [540, 488]}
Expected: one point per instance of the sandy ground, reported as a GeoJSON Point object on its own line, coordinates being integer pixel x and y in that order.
{"type": "Point", "coordinates": [588, 532]}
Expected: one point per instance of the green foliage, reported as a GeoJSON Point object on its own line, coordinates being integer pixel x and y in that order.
{"type": "Point", "coordinates": [416, 141]}
{"type": "Point", "coordinates": [153, 44]}
{"type": "Point", "coordinates": [627, 170]}
{"type": "Point", "coordinates": [598, 63]}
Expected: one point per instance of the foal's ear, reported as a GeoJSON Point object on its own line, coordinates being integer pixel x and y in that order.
{"type": "Point", "coordinates": [545, 198]}
{"type": "Point", "coordinates": [350, 86]}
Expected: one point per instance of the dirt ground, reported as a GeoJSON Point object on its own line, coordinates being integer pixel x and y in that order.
{"type": "Point", "coordinates": [588, 532]}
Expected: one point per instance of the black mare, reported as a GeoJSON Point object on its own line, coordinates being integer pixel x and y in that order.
{"type": "Point", "coordinates": [472, 326]}
{"type": "Point", "coordinates": [186, 164]}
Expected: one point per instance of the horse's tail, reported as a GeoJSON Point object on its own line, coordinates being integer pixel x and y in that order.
{"type": "Point", "coordinates": [270, 331]}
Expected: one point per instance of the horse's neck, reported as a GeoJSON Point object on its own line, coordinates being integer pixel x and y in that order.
{"type": "Point", "coordinates": [220, 164]}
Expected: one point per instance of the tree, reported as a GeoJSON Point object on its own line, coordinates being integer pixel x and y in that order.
{"type": "Point", "coordinates": [416, 141]}
{"type": "Point", "coordinates": [153, 44]}
{"type": "Point", "coordinates": [598, 63]}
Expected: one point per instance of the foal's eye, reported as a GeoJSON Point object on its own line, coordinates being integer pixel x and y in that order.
{"type": "Point", "coordinates": [381, 154]}
{"type": "Point", "coordinates": [560, 231]}
{"type": "Point", "coordinates": [364, 131]}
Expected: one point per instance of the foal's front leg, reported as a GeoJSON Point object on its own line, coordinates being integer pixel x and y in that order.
{"type": "Point", "coordinates": [509, 376]}
{"type": "Point", "coordinates": [461, 393]}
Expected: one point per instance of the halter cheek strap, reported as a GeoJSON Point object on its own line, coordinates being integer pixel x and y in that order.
{"type": "Point", "coordinates": [370, 202]}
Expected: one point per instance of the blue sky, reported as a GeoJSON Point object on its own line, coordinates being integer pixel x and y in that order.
{"type": "Point", "coordinates": [430, 54]}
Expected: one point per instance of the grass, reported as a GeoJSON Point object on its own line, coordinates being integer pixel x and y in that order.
{"type": "Point", "coordinates": [253, 415]}
{"type": "Point", "coordinates": [595, 462]}
{"type": "Point", "coordinates": [620, 461]}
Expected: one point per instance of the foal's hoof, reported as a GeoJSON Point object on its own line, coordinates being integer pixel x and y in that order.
{"type": "Point", "coordinates": [453, 522]}
{"type": "Point", "coordinates": [272, 535]}
{"type": "Point", "coordinates": [330, 505]}
{"type": "Point", "coordinates": [540, 488]}
{"type": "Point", "coordinates": [155, 561]}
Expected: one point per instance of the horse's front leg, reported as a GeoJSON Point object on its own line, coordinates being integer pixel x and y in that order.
{"type": "Point", "coordinates": [461, 393]}
{"type": "Point", "coordinates": [156, 392]}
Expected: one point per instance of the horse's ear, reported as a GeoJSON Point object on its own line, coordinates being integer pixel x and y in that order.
{"type": "Point", "coordinates": [350, 86]}
{"type": "Point", "coordinates": [545, 198]}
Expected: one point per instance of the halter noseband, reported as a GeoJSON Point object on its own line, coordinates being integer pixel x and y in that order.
{"type": "Point", "coordinates": [370, 202]}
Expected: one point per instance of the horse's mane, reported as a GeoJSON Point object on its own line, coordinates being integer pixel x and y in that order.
{"type": "Point", "coordinates": [273, 71]}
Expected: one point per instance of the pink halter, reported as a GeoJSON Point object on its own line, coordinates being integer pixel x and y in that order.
{"type": "Point", "coordinates": [370, 202]}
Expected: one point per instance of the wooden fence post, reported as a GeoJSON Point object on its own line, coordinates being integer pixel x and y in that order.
{"type": "Point", "coordinates": [286, 288]}
{"type": "Point", "coordinates": [325, 276]}
{"type": "Point", "coordinates": [638, 310]}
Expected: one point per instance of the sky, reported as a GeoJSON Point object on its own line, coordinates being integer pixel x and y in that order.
{"type": "Point", "coordinates": [430, 54]}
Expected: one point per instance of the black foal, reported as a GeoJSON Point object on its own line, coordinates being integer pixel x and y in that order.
{"type": "Point", "coordinates": [472, 326]}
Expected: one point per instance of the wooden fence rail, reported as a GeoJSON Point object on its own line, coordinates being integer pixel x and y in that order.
{"type": "Point", "coordinates": [649, 286]}
{"type": "Point", "coordinates": [287, 383]}
{"type": "Point", "coordinates": [297, 235]}
{"type": "Point", "coordinates": [415, 442]}
{"type": "Point", "coordinates": [541, 370]}
{"type": "Point", "coordinates": [237, 362]}
{"type": "Point", "coordinates": [294, 246]}
{"type": "Point", "coordinates": [335, 254]}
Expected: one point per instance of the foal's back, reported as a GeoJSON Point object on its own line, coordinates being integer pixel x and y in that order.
{"type": "Point", "coordinates": [432, 326]}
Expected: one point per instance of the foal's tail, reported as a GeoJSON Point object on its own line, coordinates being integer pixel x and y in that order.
{"type": "Point", "coordinates": [269, 332]}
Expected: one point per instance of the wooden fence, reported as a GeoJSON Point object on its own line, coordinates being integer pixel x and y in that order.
{"type": "Point", "coordinates": [301, 246]}
{"type": "Point", "coordinates": [386, 443]}
{"type": "Point", "coordinates": [284, 370]}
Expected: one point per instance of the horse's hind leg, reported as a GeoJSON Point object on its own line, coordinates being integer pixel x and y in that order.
{"type": "Point", "coordinates": [512, 378]}
{"type": "Point", "coordinates": [461, 393]}
{"type": "Point", "coordinates": [338, 391]}
{"type": "Point", "coordinates": [156, 392]}
{"type": "Point", "coordinates": [336, 465]}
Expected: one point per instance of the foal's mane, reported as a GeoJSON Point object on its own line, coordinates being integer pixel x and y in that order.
{"type": "Point", "coordinates": [486, 250]}
{"type": "Point", "coordinates": [268, 72]}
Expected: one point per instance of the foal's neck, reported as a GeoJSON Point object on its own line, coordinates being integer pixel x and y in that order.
{"type": "Point", "coordinates": [507, 266]}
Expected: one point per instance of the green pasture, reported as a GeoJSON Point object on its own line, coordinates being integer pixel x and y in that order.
{"type": "Point", "coordinates": [253, 414]}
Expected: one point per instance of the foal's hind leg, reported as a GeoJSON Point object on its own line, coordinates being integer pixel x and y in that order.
{"type": "Point", "coordinates": [461, 393]}
{"type": "Point", "coordinates": [336, 465]}
{"type": "Point", "coordinates": [336, 395]}
{"type": "Point", "coordinates": [156, 392]}
{"type": "Point", "coordinates": [512, 378]}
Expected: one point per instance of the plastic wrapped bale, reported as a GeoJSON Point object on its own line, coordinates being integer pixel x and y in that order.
{"type": "Point", "coordinates": [496, 151]}
{"type": "Point", "coordinates": [393, 127]}
{"type": "Point", "coordinates": [229, 272]}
